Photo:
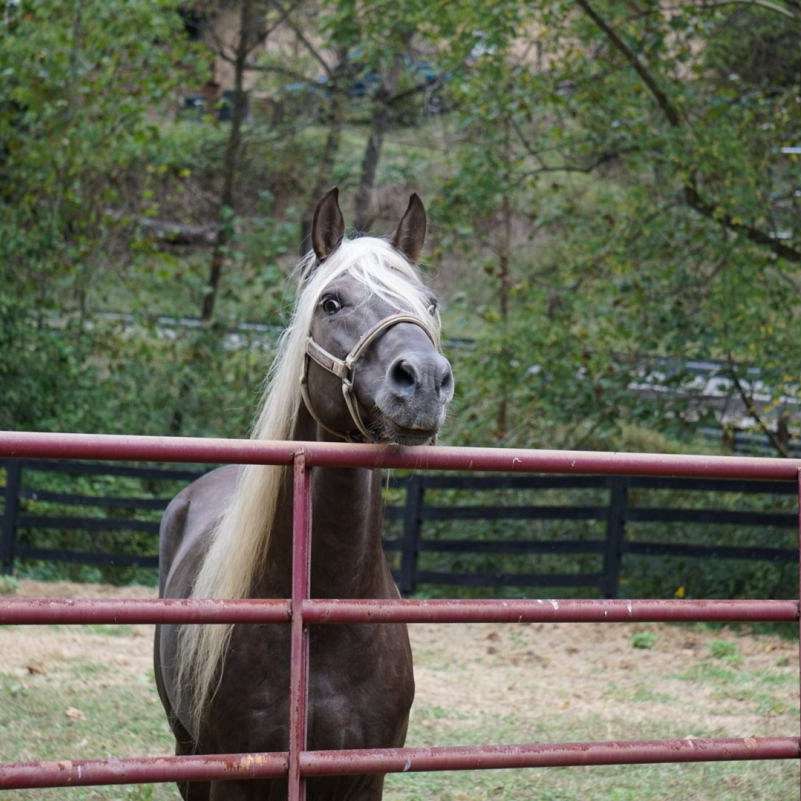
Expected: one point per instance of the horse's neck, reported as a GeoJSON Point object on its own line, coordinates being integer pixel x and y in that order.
{"type": "Point", "coordinates": [347, 556]}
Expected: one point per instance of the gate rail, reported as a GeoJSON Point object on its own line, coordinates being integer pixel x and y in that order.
{"type": "Point", "coordinates": [301, 611]}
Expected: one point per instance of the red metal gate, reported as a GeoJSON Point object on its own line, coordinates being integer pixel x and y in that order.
{"type": "Point", "coordinates": [300, 611]}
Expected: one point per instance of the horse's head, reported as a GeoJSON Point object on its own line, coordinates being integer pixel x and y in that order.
{"type": "Point", "coordinates": [373, 367]}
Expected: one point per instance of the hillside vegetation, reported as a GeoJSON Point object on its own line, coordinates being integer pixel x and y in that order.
{"type": "Point", "coordinates": [608, 183]}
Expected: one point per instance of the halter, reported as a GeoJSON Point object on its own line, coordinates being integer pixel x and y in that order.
{"type": "Point", "coordinates": [344, 369]}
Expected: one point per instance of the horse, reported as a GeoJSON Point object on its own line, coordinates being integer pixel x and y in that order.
{"type": "Point", "coordinates": [360, 360]}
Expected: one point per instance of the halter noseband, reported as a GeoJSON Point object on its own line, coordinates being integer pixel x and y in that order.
{"type": "Point", "coordinates": [344, 369]}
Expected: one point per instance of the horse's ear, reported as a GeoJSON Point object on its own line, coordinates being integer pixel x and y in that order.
{"type": "Point", "coordinates": [328, 225]}
{"type": "Point", "coordinates": [411, 231]}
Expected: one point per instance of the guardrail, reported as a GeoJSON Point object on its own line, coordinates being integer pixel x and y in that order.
{"type": "Point", "coordinates": [300, 612]}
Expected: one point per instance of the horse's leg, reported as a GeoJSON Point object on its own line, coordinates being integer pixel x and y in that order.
{"type": "Point", "coordinates": [370, 788]}
{"type": "Point", "coordinates": [347, 788]}
{"type": "Point", "coordinates": [334, 788]}
{"type": "Point", "coordinates": [190, 791]}
{"type": "Point", "coordinates": [184, 746]}
{"type": "Point", "coordinates": [254, 790]}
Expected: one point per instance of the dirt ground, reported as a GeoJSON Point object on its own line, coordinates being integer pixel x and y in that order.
{"type": "Point", "coordinates": [475, 683]}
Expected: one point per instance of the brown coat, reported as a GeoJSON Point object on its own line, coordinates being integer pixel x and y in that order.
{"type": "Point", "coordinates": [361, 680]}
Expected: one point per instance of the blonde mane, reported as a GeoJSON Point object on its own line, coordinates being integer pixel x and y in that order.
{"type": "Point", "coordinates": [241, 541]}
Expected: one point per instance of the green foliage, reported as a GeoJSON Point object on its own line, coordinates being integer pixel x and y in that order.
{"type": "Point", "coordinates": [80, 81]}
{"type": "Point", "coordinates": [610, 271]}
{"type": "Point", "coordinates": [8, 585]}
{"type": "Point", "coordinates": [46, 375]}
{"type": "Point", "coordinates": [607, 192]}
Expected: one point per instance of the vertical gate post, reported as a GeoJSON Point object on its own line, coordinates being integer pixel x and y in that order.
{"type": "Point", "coordinates": [615, 535]}
{"type": "Point", "coordinates": [8, 536]}
{"type": "Point", "coordinates": [799, 588]}
{"type": "Point", "coordinates": [412, 521]}
{"type": "Point", "coordinates": [299, 632]}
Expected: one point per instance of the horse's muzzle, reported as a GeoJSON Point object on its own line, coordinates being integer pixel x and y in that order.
{"type": "Point", "coordinates": [417, 388]}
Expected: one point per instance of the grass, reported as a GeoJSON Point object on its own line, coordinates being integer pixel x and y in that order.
{"type": "Point", "coordinates": [102, 722]}
{"type": "Point", "coordinates": [87, 692]}
{"type": "Point", "coordinates": [723, 649]}
{"type": "Point", "coordinates": [643, 639]}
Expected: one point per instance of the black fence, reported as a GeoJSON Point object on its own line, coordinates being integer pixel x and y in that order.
{"type": "Point", "coordinates": [421, 513]}
{"type": "Point", "coordinates": [122, 513]}
{"type": "Point", "coordinates": [610, 517]}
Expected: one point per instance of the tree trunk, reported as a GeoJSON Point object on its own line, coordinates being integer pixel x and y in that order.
{"type": "Point", "coordinates": [504, 289]}
{"type": "Point", "coordinates": [336, 116]}
{"type": "Point", "coordinates": [378, 128]}
{"type": "Point", "coordinates": [230, 164]}
{"type": "Point", "coordinates": [783, 435]}
{"type": "Point", "coordinates": [504, 285]}
{"type": "Point", "coordinates": [225, 205]}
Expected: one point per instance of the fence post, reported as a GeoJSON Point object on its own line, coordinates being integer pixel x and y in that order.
{"type": "Point", "coordinates": [412, 521]}
{"type": "Point", "coordinates": [615, 535]}
{"type": "Point", "coordinates": [8, 536]}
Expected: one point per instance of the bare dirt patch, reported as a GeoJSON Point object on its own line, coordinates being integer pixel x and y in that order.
{"type": "Point", "coordinates": [585, 667]}
{"type": "Point", "coordinates": [594, 670]}
{"type": "Point", "coordinates": [53, 650]}
{"type": "Point", "coordinates": [69, 589]}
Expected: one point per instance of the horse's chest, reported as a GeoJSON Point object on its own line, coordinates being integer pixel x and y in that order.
{"type": "Point", "coordinates": [361, 687]}
{"type": "Point", "coordinates": [363, 708]}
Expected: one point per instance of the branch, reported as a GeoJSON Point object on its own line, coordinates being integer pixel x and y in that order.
{"type": "Point", "coordinates": [284, 13]}
{"type": "Point", "coordinates": [759, 237]}
{"type": "Point", "coordinates": [250, 66]}
{"type": "Point", "coordinates": [766, 4]}
{"type": "Point", "coordinates": [604, 158]}
{"type": "Point", "coordinates": [792, 13]}
{"type": "Point", "coordinates": [671, 113]}
{"type": "Point", "coordinates": [420, 87]}
{"type": "Point", "coordinates": [302, 37]}
{"type": "Point", "coordinates": [220, 47]}
{"type": "Point", "coordinates": [297, 76]}
{"type": "Point", "coordinates": [668, 109]}
{"type": "Point", "coordinates": [750, 407]}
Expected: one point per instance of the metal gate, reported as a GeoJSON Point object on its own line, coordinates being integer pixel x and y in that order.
{"type": "Point", "coordinates": [300, 611]}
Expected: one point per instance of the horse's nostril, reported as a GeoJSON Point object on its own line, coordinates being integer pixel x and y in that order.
{"type": "Point", "coordinates": [444, 376]}
{"type": "Point", "coordinates": [403, 375]}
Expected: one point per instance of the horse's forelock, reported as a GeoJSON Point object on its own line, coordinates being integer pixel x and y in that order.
{"type": "Point", "coordinates": [384, 270]}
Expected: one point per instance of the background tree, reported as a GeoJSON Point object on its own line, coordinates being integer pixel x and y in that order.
{"type": "Point", "coordinates": [613, 187]}
{"type": "Point", "coordinates": [613, 191]}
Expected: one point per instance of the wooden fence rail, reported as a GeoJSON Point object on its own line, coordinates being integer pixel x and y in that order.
{"type": "Point", "coordinates": [417, 515]}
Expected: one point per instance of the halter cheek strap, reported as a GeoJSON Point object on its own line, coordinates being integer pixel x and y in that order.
{"type": "Point", "coordinates": [344, 369]}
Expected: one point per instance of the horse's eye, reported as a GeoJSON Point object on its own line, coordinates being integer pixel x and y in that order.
{"type": "Point", "coordinates": [331, 305]}
{"type": "Point", "coordinates": [432, 308]}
